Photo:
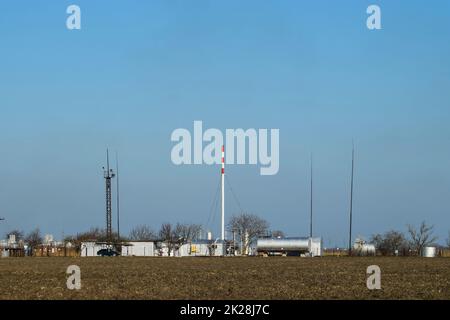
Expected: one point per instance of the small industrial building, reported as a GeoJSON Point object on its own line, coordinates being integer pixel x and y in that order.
{"type": "Point", "coordinates": [202, 248]}
{"type": "Point", "coordinates": [289, 247]}
{"type": "Point", "coordinates": [90, 248]}
{"type": "Point", "coordinates": [138, 249]}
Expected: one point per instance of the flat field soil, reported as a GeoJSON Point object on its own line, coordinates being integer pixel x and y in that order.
{"type": "Point", "coordinates": [225, 278]}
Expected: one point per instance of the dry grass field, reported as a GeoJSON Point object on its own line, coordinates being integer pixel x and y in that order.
{"type": "Point", "coordinates": [225, 278]}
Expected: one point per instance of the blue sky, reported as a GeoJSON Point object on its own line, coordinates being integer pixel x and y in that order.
{"type": "Point", "coordinates": [138, 70]}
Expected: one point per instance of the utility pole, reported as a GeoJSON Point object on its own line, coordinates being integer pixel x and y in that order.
{"type": "Point", "coordinates": [351, 202]}
{"type": "Point", "coordinates": [118, 197]}
{"type": "Point", "coordinates": [108, 175]}
{"type": "Point", "coordinates": [223, 193]}
{"type": "Point", "coordinates": [311, 202]}
{"type": "Point", "coordinates": [234, 242]}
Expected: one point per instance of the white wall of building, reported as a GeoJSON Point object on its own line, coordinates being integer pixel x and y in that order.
{"type": "Point", "coordinates": [138, 249]}
{"type": "Point", "coordinates": [90, 249]}
{"type": "Point", "coordinates": [315, 247]}
{"type": "Point", "coordinates": [201, 249]}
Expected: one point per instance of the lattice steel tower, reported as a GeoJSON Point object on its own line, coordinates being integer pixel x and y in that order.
{"type": "Point", "coordinates": [108, 175]}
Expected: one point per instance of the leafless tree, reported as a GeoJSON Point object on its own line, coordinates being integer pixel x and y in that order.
{"type": "Point", "coordinates": [176, 236]}
{"type": "Point", "coordinates": [390, 242]}
{"type": "Point", "coordinates": [167, 234]}
{"type": "Point", "coordinates": [187, 232]}
{"type": "Point", "coordinates": [142, 233]}
{"type": "Point", "coordinates": [94, 234]}
{"type": "Point", "coordinates": [248, 227]}
{"type": "Point", "coordinates": [421, 237]}
{"type": "Point", "coordinates": [19, 234]}
{"type": "Point", "coordinates": [34, 238]}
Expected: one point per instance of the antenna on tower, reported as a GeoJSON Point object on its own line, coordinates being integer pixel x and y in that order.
{"type": "Point", "coordinates": [108, 174]}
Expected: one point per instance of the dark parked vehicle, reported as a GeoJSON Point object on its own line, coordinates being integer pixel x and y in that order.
{"type": "Point", "coordinates": [107, 253]}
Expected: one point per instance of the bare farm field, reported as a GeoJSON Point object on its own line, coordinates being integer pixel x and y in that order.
{"type": "Point", "coordinates": [225, 278]}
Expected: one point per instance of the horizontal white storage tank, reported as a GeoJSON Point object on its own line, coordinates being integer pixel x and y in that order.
{"type": "Point", "coordinates": [283, 244]}
{"type": "Point", "coordinates": [312, 246]}
{"type": "Point", "coordinates": [429, 252]}
{"type": "Point", "coordinates": [365, 249]}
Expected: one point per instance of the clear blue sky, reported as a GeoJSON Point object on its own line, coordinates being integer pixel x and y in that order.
{"type": "Point", "coordinates": [139, 69]}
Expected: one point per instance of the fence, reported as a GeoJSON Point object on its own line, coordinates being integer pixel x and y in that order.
{"type": "Point", "coordinates": [52, 251]}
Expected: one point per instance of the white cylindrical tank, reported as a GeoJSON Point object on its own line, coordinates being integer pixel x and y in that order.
{"type": "Point", "coordinates": [282, 244]}
{"type": "Point", "coordinates": [368, 249]}
{"type": "Point", "coordinates": [429, 252]}
{"type": "Point", "coordinates": [363, 248]}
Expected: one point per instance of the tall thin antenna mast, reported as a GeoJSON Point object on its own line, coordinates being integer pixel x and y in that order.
{"type": "Point", "coordinates": [108, 174]}
{"type": "Point", "coordinates": [311, 202]}
{"type": "Point", "coordinates": [107, 159]}
{"type": "Point", "coordinates": [223, 193]}
{"type": "Point", "coordinates": [118, 196]}
{"type": "Point", "coordinates": [351, 201]}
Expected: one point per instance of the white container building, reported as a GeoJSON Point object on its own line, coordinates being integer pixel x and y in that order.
{"type": "Point", "coordinates": [138, 249]}
{"type": "Point", "coordinates": [202, 248]}
{"type": "Point", "coordinates": [90, 249]}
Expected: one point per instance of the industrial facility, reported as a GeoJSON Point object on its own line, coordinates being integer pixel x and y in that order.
{"type": "Point", "coordinates": [158, 248]}
{"type": "Point", "coordinates": [113, 245]}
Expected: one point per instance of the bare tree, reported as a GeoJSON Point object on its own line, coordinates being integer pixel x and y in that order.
{"type": "Point", "coordinates": [33, 239]}
{"type": "Point", "coordinates": [390, 242]}
{"type": "Point", "coordinates": [187, 232]}
{"type": "Point", "coordinates": [176, 236]}
{"type": "Point", "coordinates": [94, 234]}
{"type": "Point", "coordinates": [421, 237]}
{"type": "Point", "coordinates": [19, 234]}
{"type": "Point", "coordinates": [142, 233]}
{"type": "Point", "coordinates": [167, 233]}
{"type": "Point", "coordinates": [248, 228]}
